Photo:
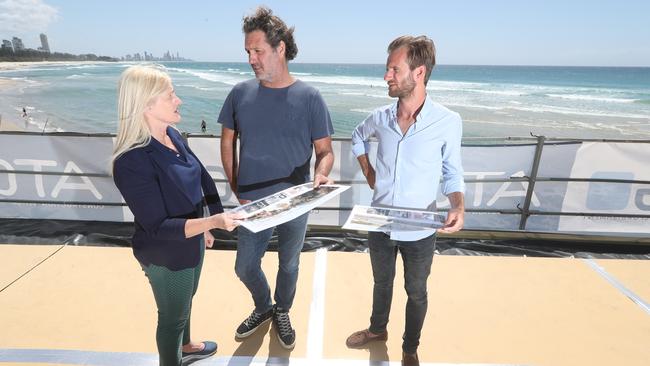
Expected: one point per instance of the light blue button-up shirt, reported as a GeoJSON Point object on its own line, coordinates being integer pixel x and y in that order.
{"type": "Point", "coordinates": [409, 166]}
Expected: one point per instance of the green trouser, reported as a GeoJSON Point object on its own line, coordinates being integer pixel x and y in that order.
{"type": "Point", "coordinates": [173, 291]}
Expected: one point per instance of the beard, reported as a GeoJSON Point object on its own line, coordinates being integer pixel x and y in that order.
{"type": "Point", "coordinates": [402, 89]}
{"type": "Point", "coordinates": [263, 76]}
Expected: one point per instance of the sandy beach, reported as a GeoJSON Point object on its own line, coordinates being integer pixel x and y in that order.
{"type": "Point", "coordinates": [8, 122]}
{"type": "Point", "coordinates": [6, 83]}
{"type": "Point", "coordinates": [8, 125]}
{"type": "Point", "coordinates": [21, 65]}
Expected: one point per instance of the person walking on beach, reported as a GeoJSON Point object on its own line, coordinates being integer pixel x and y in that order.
{"type": "Point", "coordinates": [203, 126]}
{"type": "Point", "coordinates": [25, 119]}
{"type": "Point", "coordinates": [419, 140]}
{"type": "Point", "coordinates": [278, 120]}
{"type": "Point", "coordinates": [167, 189]}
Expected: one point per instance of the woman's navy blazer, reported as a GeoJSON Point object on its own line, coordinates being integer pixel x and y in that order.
{"type": "Point", "coordinates": [161, 202]}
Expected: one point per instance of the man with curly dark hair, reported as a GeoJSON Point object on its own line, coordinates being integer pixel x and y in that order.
{"type": "Point", "coordinates": [278, 121]}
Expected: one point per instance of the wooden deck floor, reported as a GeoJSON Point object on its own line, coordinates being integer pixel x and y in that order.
{"type": "Point", "coordinates": [93, 306]}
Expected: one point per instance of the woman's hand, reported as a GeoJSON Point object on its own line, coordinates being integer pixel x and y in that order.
{"type": "Point", "coordinates": [209, 239]}
{"type": "Point", "coordinates": [226, 221]}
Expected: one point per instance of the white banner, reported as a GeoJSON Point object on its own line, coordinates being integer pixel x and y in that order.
{"type": "Point", "coordinates": [55, 176]}
{"type": "Point", "coordinates": [599, 160]}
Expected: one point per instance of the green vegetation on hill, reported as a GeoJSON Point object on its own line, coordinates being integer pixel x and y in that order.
{"type": "Point", "coordinates": [34, 55]}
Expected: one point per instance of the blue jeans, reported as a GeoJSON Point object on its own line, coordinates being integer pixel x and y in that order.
{"type": "Point", "coordinates": [417, 257]}
{"type": "Point", "coordinates": [250, 250]}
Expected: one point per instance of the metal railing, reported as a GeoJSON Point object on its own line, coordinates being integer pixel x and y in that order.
{"type": "Point", "coordinates": [523, 210]}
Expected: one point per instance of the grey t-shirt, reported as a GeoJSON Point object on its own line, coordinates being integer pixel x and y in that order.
{"type": "Point", "coordinates": [276, 128]}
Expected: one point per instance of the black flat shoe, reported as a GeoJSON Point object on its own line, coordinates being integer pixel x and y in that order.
{"type": "Point", "coordinates": [207, 351]}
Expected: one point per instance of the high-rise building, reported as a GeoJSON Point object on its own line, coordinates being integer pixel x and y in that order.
{"type": "Point", "coordinates": [45, 46]}
{"type": "Point", "coordinates": [18, 44]}
{"type": "Point", "coordinates": [6, 44]}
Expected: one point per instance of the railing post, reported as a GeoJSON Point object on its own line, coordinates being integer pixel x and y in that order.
{"type": "Point", "coordinates": [525, 211]}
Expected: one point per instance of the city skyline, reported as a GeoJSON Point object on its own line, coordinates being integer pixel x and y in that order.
{"type": "Point", "coordinates": [554, 33]}
{"type": "Point", "coordinates": [17, 44]}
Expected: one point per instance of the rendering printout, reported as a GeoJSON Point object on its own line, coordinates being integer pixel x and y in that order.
{"type": "Point", "coordinates": [286, 205]}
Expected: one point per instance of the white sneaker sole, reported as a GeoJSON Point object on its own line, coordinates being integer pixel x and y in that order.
{"type": "Point", "coordinates": [245, 335]}
{"type": "Point", "coordinates": [286, 346]}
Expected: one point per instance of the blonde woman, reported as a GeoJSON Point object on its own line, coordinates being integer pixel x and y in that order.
{"type": "Point", "coordinates": [166, 187]}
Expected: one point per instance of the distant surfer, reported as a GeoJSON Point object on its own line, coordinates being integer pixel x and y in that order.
{"type": "Point", "coordinates": [25, 117]}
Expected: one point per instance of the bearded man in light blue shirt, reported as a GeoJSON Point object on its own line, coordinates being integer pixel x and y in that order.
{"type": "Point", "coordinates": [418, 143]}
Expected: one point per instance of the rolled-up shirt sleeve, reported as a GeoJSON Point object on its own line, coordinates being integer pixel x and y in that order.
{"type": "Point", "coordinates": [452, 167]}
{"type": "Point", "coordinates": [361, 136]}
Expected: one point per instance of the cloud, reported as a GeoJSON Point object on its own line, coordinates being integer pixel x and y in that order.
{"type": "Point", "coordinates": [22, 16]}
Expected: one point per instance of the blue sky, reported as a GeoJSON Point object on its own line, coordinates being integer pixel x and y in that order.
{"type": "Point", "coordinates": [594, 33]}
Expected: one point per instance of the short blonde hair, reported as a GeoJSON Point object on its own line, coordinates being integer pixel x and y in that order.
{"type": "Point", "coordinates": [138, 87]}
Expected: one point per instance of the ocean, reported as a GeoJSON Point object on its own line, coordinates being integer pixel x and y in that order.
{"type": "Point", "coordinates": [494, 101]}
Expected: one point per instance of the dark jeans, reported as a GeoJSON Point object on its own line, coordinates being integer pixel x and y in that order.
{"type": "Point", "coordinates": [250, 250]}
{"type": "Point", "coordinates": [417, 257]}
{"type": "Point", "coordinates": [173, 291]}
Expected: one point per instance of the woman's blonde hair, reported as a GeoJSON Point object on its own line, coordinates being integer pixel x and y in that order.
{"type": "Point", "coordinates": [138, 88]}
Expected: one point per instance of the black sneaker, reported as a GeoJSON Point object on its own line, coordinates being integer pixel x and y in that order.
{"type": "Point", "coordinates": [282, 323]}
{"type": "Point", "coordinates": [250, 325]}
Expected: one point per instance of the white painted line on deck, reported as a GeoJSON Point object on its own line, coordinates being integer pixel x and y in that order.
{"type": "Point", "coordinates": [93, 358]}
{"type": "Point", "coordinates": [612, 280]}
{"type": "Point", "coordinates": [77, 357]}
{"type": "Point", "coordinates": [316, 325]}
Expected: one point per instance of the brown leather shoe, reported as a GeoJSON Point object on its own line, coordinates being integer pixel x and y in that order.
{"type": "Point", "coordinates": [410, 359]}
{"type": "Point", "coordinates": [362, 337]}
